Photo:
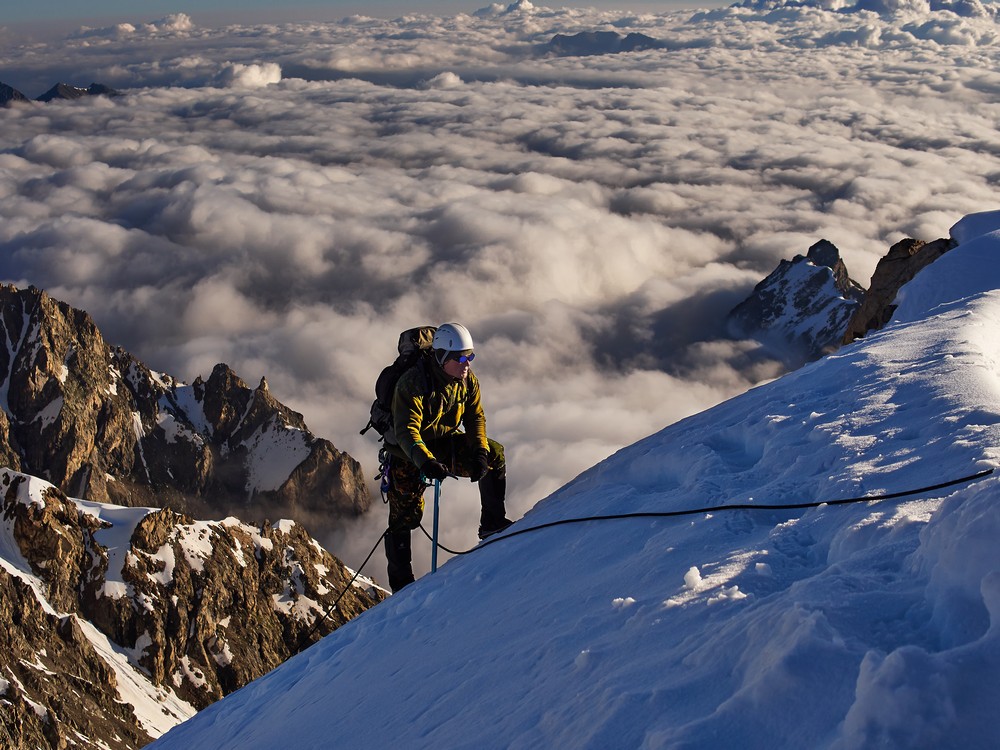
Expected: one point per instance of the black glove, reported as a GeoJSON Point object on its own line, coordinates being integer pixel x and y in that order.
{"type": "Point", "coordinates": [434, 469]}
{"type": "Point", "coordinates": [480, 465]}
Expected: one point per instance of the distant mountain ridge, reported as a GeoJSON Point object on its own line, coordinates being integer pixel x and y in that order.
{"type": "Point", "coordinates": [962, 8]}
{"type": "Point", "coordinates": [9, 95]}
{"type": "Point", "coordinates": [67, 91]}
{"type": "Point", "coordinates": [588, 43]}
{"type": "Point", "coordinates": [100, 425]}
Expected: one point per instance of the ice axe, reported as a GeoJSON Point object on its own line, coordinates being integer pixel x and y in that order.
{"type": "Point", "coordinates": [434, 539]}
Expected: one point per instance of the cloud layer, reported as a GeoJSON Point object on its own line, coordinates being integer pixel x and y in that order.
{"type": "Point", "coordinates": [288, 198]}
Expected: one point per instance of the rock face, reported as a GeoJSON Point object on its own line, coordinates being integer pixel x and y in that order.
{"type": "Point", "coordinates": [802, 308]}
{"type": "Point", "coordinates": [10, 95]}
{"type": "Point", "coordinates": [903, 261]}
{"type": "Point", "coordinates": [54, 686]}
{"type": "Point", "coordinates": [117, 623]}
{"type": "Point", "coordinates": [101, 426]}
{"type": "Point", "coordinates": [810, 306]}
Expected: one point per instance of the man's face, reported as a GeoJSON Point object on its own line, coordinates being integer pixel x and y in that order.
{"type": "Point", "coordinates": [457, 365]}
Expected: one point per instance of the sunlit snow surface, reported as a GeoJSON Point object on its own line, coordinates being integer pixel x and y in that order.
{"type": "Point", "coordinates": [866, 625]}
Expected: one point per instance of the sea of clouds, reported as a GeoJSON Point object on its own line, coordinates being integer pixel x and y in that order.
{"type": "Point", "coordinates": [288, 198]}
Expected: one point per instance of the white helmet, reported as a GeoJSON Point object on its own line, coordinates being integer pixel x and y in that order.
{"type": "Point", "coordinates": [452, 337]}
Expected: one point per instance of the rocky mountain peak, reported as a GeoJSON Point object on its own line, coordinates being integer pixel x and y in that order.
{"type": "Point", "coordinates": [100, 425]}
{"type": "Point", "coordinates": [68, 91]}
{"type": "Point", "coordinates": [825, 253]}
{"type": "Point", "coordinates": [226, 399]}
{"type": "Point", "coordinates": [120, 614]}
{"type": "Point", "coordinates": [9, 95]}
{"type": "Point", "coordinates": [810, 305]}
{"type": "Point", "coordinates": [801, 309]}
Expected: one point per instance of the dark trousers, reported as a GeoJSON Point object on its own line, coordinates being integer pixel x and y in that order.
{"type": "Point", "coordinates": [406, 499]}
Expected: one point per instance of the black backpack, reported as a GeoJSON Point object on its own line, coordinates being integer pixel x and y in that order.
{"type": "Point", "coordinates": [414, 346]}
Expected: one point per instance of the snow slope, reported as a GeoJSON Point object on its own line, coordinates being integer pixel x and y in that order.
{"type": "Point", "coordinates": [851, 626]}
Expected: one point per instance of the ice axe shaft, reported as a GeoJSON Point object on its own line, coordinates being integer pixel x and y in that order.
{"type": "Point", "coordinates": [434, 545]}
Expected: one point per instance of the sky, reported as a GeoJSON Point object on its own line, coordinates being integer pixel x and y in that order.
{"type": "Point", "coordinates": [64, 15]}
{"type": "Point", "coordinates": [67, 14]}
{"type": "Point", "coordinates": [855, 626]}
{"type": "Point", "coordinates": [287, 198]}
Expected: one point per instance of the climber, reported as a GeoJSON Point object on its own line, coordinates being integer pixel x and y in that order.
{"type": "Point", "coordinates": [432, 402]}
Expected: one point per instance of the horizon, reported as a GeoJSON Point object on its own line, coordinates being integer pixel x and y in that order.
{"type": "Point", "coordinates": [64, 16]}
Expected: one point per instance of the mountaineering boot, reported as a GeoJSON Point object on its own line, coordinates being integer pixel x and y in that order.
{"type": "Point", "coordinates": [483, 533]}
{"type": "Point", "coordinates": [398, 559]}
{"type": "Point", "coordinates": [492, 492]}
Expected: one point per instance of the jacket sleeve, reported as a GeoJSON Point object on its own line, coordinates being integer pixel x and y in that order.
{"type": "Point", "coordinates": [474, 419]}
{"type": "Point", "coordinates": [407, 418]}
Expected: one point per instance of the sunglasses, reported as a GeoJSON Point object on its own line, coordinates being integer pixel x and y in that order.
{"type": "Point", "coordinates": [461, 358]}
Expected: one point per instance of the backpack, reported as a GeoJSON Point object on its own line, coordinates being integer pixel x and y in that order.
{"type": "Point", "coordinates": [414, 347]}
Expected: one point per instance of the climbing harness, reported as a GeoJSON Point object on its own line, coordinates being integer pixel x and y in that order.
{"type": "Point", "coordinates": [384, 464]}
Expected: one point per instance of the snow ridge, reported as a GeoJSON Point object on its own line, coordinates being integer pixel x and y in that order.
{"type": "Point", "coordinates": [863, 625]}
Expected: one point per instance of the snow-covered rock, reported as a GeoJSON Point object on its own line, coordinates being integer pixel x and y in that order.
{"type": "Point", "coordinates": [117, 623]}
{"type": "Point", "coordinates": [802, 308]}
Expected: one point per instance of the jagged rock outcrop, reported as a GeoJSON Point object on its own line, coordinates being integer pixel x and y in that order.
{"type": "Point", "coordinates": [117, 623]}
{"type": "Point", "coordinates": [67, 91]}
{"type": "Point", "coordinates": [810, 306]}
{"type": "Point", "coordinates": [801, 309]}
{"type": "Point", "coordinates": [903, 261]}
{"type": "Point", "coordinates": [55, 689]}
{"type": "Point", "coordinates": [9, 95]}
{"type": "Point", "coordinates": [100, 425]}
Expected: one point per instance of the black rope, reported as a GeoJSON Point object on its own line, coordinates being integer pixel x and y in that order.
{"type": "Point", "coordinates": [713, 509]}
{"type": "Point", "coordinates": [302, 643]}
{"type": "Point", "coordinates": [645, 514]}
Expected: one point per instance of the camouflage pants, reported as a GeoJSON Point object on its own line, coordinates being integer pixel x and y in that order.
{"type": "Point", "coordinates": [406, 498]}
{"type": "Point", "coordinates": [406, 487]}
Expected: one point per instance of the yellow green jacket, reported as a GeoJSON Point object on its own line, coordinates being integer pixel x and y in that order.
{"type": "Point", "coordinates": [428, 405]}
